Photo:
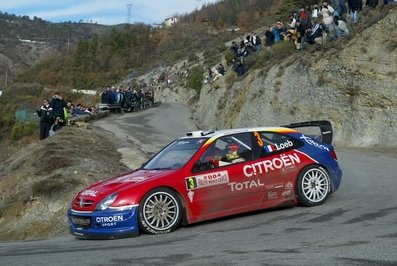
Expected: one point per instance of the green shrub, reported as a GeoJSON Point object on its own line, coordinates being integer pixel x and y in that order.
{"type": "Point", "coordinates": [229, 57]}
{"type": "Point", "coordinates": [282, 49]}
{"type": "Point", "coordinates": [195, 81]}
{"type": "Point", "coordinates": [20, 130]}
{"type": "Point", "coordinates": [230, 78]}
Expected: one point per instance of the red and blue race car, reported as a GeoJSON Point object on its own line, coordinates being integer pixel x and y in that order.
{"type": "Point", "coordinates": [210, 174]}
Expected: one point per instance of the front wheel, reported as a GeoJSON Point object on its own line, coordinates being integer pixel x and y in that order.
{"type": "Point", "coordinates": [160, 211]}
{"type": "Point", "coordinates": [313, 186]}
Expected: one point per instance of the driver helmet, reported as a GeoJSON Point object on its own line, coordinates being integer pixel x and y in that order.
{"type": "Point", "coordinates": [232, 149]}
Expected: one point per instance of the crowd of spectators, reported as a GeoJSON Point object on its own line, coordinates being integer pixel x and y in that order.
{"type": "Point", "coordinates": [127, 99]}
{"type": "Point", "coordinates": [58, 112]}
{"type": "Point", "coordinates": [317, 24]}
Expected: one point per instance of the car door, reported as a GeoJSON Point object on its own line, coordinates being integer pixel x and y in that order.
{"type": "Point", "coordinates": [276, 167]}
{"type": "Point", "coordinates": [218, 184]}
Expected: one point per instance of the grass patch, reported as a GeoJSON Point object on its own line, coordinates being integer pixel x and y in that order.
{"type": "Point", "coordinates": [230, 78]}
{"type": "Point", "coordinates": [54, 185]}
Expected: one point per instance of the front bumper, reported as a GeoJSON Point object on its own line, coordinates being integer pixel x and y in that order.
{"type": "Point", "coordinates": [107, 224]}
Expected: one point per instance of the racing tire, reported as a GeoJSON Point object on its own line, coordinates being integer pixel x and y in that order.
{"type": "Point", "coordinates": [160, 211]}
{"type": "Point", "coordinates": [313, 186]}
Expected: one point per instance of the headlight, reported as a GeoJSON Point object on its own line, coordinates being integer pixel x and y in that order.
{"type": "Point", "coordinates": [106, 202]}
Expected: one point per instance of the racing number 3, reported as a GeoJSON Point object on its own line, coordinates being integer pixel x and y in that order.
{"type": "Point", "coordinates": [258, 138]}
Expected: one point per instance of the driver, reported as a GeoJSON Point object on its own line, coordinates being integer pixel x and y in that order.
{"type": "Point", "coordinates": [232, 155]}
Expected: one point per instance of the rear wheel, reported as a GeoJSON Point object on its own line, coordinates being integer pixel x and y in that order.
{"type": "Point", "coordinates": [160, 211]}
{"type": "Point", "coordinates": [313, 186]}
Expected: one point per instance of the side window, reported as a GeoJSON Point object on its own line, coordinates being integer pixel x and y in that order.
{"type": "Point", "coordinates": [272, 143]}
{"type": "Point", "coordinates": [224, 151]}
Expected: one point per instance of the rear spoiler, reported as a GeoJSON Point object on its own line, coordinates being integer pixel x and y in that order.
{"type": "Point", "coordinates": [325, 128]}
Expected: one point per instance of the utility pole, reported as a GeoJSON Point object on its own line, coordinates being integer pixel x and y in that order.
{"type": "Point", "coordinates": [129, 7]}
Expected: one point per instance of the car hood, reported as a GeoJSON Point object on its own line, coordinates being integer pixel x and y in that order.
{"type": "Point", "coordinates": [88, 198]}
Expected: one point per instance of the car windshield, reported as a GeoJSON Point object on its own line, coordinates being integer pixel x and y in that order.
{"type": "Point", "coordinates": [175, 155]}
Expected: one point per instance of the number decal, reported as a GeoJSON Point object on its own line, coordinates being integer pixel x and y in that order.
{"type": "Point", "coordinates": [191, 183]}
{"type": "Point", "coordinates": [258, 138]}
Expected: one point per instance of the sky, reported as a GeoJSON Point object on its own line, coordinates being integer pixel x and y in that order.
{"type": "Point", "coordinates": [106, 12]}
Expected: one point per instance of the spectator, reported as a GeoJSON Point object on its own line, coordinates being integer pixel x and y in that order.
{"type": "Point", "coordinates": [315, 11]}
{"type": "Point", "coordinates": [221, 69]}
{"type": "Point", "coordinates": [341, 29]}
{"type": "Point", "coordinates": [339, 7]}
{"type": "Point", "coordinates": [66, 112]}
{"type": "Point", "coordinates": [303, 16]}
{"type": "Point", "coordinates": [46, 119]}
{"type": "Point", "coordinates": [269, 37]}
{"type": "Point", "coordinates": [300, 32]}
{"type": "Point", "coordinates": [141, 99]}
{"type": "Point", "coordinates": [234, 47]}
{"type": "Point", "coordinates": [209, 76]}
{"type": "Point", "coordinates": [106, 95]}
{"type": "Point", "coordinates": [57, 104]}
{"type": "Point", "coordinates": [355, 7]}
{"type": "Point", "coordinates": [292, 20]}
{"type": "Point", "coordinates": [239, 66]}
{"type": "Point", "coordinates": [327, 12]}
{"type": "Point", "coordinates": [55, 127]}
{"type": "Point", "coordinates": [216, 74]}
{"type": "Point", "coordinates": [257, 42]}
{"type": "Point", "coordinates": [315, 34]}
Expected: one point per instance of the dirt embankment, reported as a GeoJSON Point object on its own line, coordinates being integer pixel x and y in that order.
{"type": "Point", "coordinates": [37, 183]}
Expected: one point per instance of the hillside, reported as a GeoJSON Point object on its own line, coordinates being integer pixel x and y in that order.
{"type": "Point", "coordinates": [351, 83]}
{"type": "Point", "coordinates": [24, 42]}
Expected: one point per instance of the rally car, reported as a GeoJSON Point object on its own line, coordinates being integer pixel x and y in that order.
{"type": "Point", "coordinates": [211, 174]}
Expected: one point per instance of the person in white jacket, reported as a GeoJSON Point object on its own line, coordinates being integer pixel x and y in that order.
{"type": "Point", "coordinates": [327, 12]}
{"type": "Point", "coordinates": [341, 29]}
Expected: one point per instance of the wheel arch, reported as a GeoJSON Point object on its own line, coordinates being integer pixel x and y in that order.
{"type": "Point", "coordinates": [180, 197]}
{"type": "Point", "coordinates": [301, 172]}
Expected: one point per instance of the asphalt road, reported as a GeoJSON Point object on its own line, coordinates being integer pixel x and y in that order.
{"type": "Point", "coordinates": [356, 226]}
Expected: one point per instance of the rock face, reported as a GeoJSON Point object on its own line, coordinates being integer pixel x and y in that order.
{"type": "Point", "coordinates": [355, 87]}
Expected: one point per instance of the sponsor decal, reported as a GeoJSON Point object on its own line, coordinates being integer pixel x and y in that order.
{"type": "Point", "coordinates": [287, 193]}
{"type": "Point", "coordinates": [107, 221]}
{"type": "Point", "coordinates": [314, 143]}
{"type": "Point", "coordinates": [207, 180]}
{"type": "Point", "coordinates": [274, 186]}
{"type": "Point", "coordinates": [277, 163]}
{"type": "Point", "coordinates": [237, 186]}
{"type": "Point", "coordinates": [190, 194]}
{"type": "Point", "coordinates": [277, 147]}
{"type": "Point", "coordinates": [272, 195]}
{"type": "Point", "coordinates": [284, 145]}
{"type": "Point", "coordinates": [269, 148]}
{"type": "Point", "coordinates": [135, 179]}
{"type": "Point", "coordinates": [89, 192]}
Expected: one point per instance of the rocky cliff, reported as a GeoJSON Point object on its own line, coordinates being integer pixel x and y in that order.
{"type": "Point", "coordinates": [353, 85]}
